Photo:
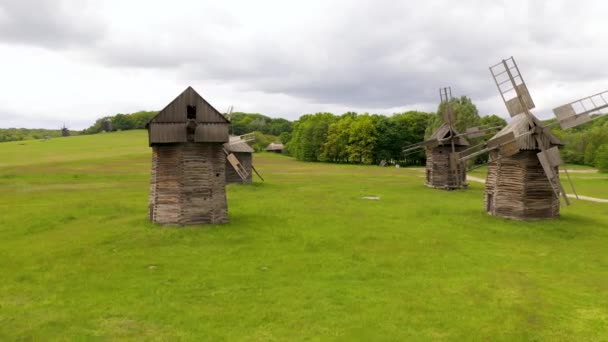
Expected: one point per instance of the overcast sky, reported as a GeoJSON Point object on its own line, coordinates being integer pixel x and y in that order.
{"type": "Point", "coordinates": [75, 61]}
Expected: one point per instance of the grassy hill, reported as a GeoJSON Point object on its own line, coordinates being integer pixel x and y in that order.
{"type": "Point", "coordinates": [304, 257]}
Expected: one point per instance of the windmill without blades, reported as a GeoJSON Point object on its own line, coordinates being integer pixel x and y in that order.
{"type": "Point", "coordinates": [444, 170]}
{"type": "Point", "coordinates": [523, 173]}
{"type": "Point", "coordinates": [239, 156]}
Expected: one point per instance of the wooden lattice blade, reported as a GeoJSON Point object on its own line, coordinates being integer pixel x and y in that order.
{"type": "Point", "coordinates": [550, 160]}
{"type": "Point", "coordinates": [240, 170]}
{"type": "Point", "coordinates": [512, 87]}
{"type": "Point", "coordinates": [579, 112]}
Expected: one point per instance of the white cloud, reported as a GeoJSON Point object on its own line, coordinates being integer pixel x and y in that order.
{"type": "Point", "coordinates": [89, 59]}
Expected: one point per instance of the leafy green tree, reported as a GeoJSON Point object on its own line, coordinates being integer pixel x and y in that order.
{"type": "Point", "coordinates": [465, 112]}
{"type": "Point", "coordinates": [262, 141]}
{"type": "Point", "coordinates": [398, 132]}
{"type": "Point", "coordinates": [309, 135]}
{"type": "Point", "coordinates": [601, 158]}
{"type": "Point", "coordinates": [335, 147]}
{"type": "Point", "coordinates": [492, 121]}
{"type": "Point", "coordinates": [122, 122]}
{"type": "Point", "coordinates": [362, 139]}
{"type": "Point", "coordinates": [590, 154]}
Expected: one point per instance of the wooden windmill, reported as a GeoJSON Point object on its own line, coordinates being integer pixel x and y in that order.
{"type": "Point", "coordinates": [239, 155]}
{"type": "Point", "coordinates": [65, 132]}
{"type": "Point", "coordinates": [523, 173]}
{"type": "Point", "coordinates": [444, 170]}
{"type": "Point", "coordinates": [188, 181]}
{"type": "Point", "coordinates": [239, 159]}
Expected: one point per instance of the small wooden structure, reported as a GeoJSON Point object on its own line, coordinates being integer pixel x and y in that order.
{"type": "Point", "coordinates": [106, 125]}
{"type": "Point", "coordinates": [275, 147]}
{"type": "Point", "coordinates": [188, 181]}
{"type": "Point", "coordinates": [65, 132]}
{"type": "Point", "coordinates": [244, 155]}
{"type": "Point", "coordinates": [443, 171]}
{"type": "Point", "coordinates": [517, 185]}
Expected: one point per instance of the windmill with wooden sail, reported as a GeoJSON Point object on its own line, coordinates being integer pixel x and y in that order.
{"type": "Point", "coordinates": [523, 171]}
{"type": "Point", "coordinates": [65, 132]}
{"type": "Point", "coordinates": [239, 156]}
{"type": "Point", "coordinates": [444, 170]}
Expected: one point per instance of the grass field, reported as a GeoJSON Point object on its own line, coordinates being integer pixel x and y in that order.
{"type": "Point", "coordinates": [304, 257]}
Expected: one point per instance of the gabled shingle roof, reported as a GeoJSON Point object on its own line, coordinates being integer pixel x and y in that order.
{"type": "Point", "coordinates": [444, 132]}
{"type": "Point", "coordinates": [519, 126]}
{"type": "Point", "coordinates": [238, 146]}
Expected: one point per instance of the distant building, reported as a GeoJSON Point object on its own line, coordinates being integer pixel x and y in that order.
{"type": "Point", "coordinates": [275, 147]}
{"type": "Point", "coordinates": [188, 181]}
{"type": "Point", "coordinates": [106, 125]}
{"type": "Point", "coordinates": [65, 132]}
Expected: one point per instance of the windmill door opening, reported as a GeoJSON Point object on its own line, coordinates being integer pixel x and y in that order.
{"type": "Point", "coordinates": [428, 176]}
{"type": "Point", "coordinates": [490, 203]}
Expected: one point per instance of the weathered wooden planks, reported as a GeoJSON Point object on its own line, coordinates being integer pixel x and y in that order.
{"type": "Point", "coordinates": [517, 187]}
{"type": "Point", "coordinates": [438, 171]}
{"type": "Point", "coordinates": [245, 160]}
{"type": "Point", "coordinates": [188, 184]}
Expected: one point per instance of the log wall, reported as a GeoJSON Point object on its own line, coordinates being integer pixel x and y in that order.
{"type": "Point", "coordinates": [438, 174]}
{"type": "Point", "coordinates": [188, 184]}
{"type": "Point", "coordinates": [517, 187]}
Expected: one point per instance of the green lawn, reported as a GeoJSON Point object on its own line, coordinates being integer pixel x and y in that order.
{"type": "Point", "coordinates": [304, 257]}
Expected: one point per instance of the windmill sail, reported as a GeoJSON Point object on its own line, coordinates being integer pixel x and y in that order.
{"type": "Point", "coordinates": [579, 112]}
{"type": "Point", "coordinates": [512, 87]}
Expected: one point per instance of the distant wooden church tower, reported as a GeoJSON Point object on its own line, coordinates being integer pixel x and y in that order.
{"type": "Point", "coordinates": [443, 169]}
{"type": "Point", "coordinates": [517, 186]}
{"type": "Point", "coordinates": [188, 181]}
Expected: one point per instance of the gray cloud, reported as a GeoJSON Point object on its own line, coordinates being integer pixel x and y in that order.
{"type": "Point", "coordinates": [354, 54]}
{"type": "Point", "coordinates": [376, 54]}
{"type": "Point", "coordinates": [48, 23]}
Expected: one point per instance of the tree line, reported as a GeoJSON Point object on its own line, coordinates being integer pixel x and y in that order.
{"type": "Point", "coordinates": [18, 134]}
{"type": "Point", "coordinates": [585, 144]}
{"type": "Point", "coordinates": [359, 138]}
{"type": "Point", "coordinates": [371, 138]}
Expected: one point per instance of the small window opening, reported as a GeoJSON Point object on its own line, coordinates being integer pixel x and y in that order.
{"type": "Point", "coordinates": [191, 112]}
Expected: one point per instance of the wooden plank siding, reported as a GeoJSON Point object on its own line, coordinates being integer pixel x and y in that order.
{"type": "Point", "coordinates": [176, 110]}
{"type": "Point", "coordinates": [438, 174]}
{"type": "Point", "coordinates": [211, 132]}
{"type": "Point", "coordinates": [188, 184]}
{"type": "Point", "coordinates": [167, 133]}
{"type": "Point", "coordinates": [517, 188]}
